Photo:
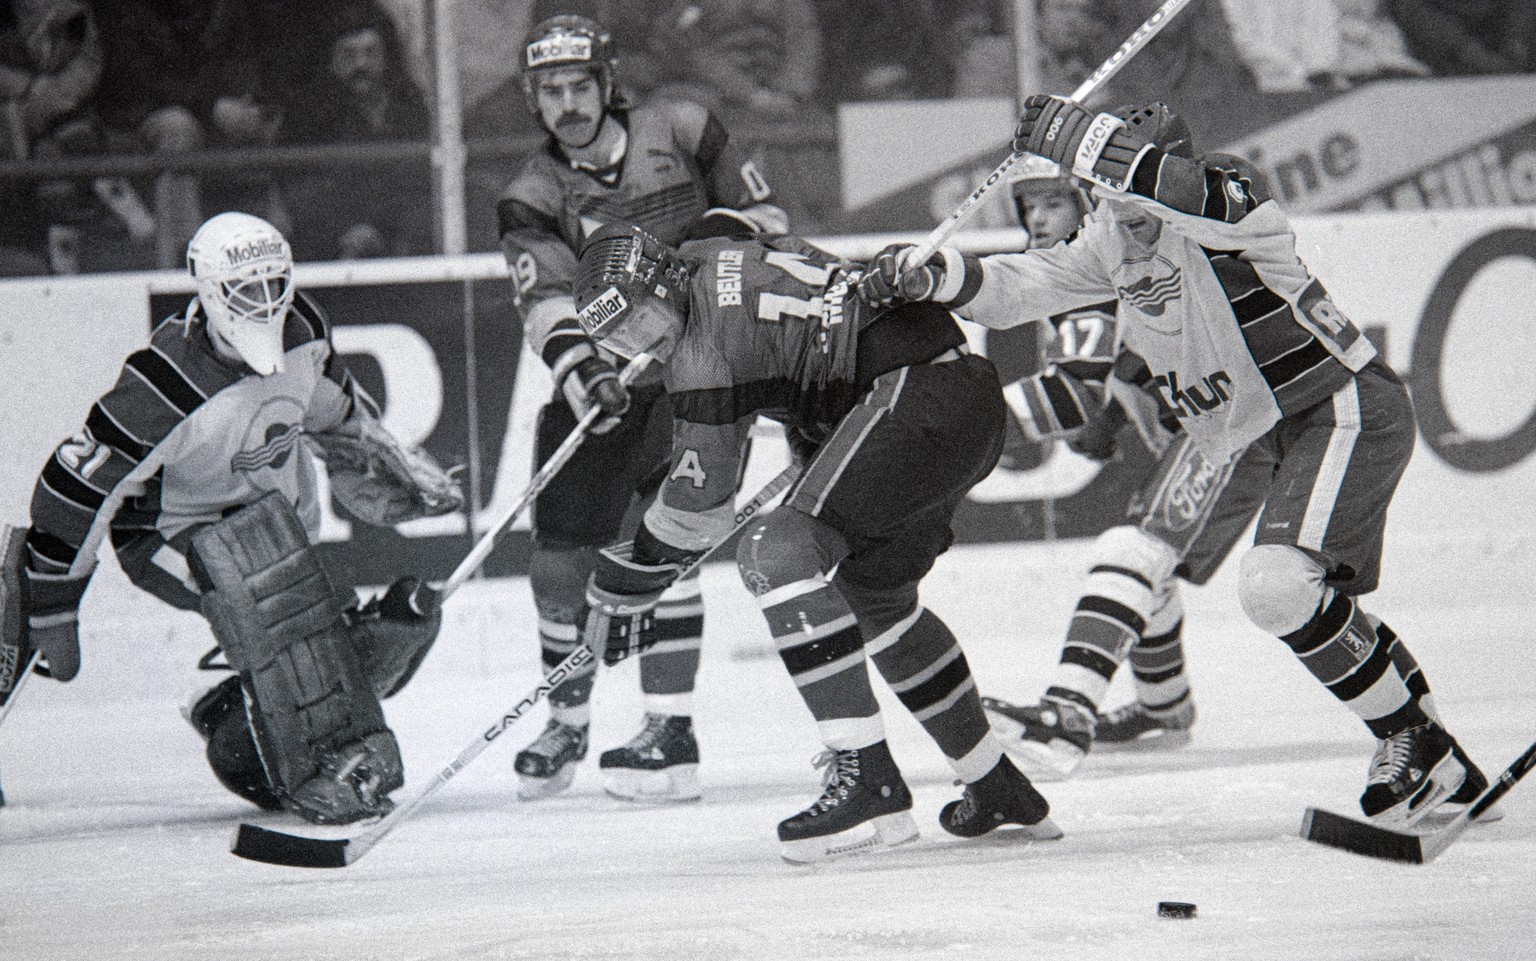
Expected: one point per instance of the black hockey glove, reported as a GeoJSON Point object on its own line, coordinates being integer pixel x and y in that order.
{"type": "Point", "coordinates": [890, 279]}
{"type": "Point", "coordinates": [1098, 437]}
{"type": "Point", "coordinates": [619, 616]}
{"type": "Point", "coordinates": [585, 378]}
{"type": "Point", "coordinates": [1096, 147]}
{"type": "Point", "coordinates": [52, 604]}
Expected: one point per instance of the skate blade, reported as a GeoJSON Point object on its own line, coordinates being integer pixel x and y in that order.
{"type": "Point", "coordinates": [886, 831]}
{"type": "Point", "coordinates": [673, 785]}
{"type": "Point", "coordinates": [1041, 762]}
{"type": "Point", "coordinates": [1154, 741]}
{"type": "Point", "coordinates": [1430, 797]}
{"type": "Point", "coordinates": [539, 788]}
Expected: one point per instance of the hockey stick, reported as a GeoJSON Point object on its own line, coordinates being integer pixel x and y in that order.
{"type": "Point", "coordinates": [1143, 34]}
{"type": "Point", "coordinates": [424, 596]}
{"type": "Point", "coordinates": [1359, 837]}
{"type": "Point", "coordinates": [256, 843]}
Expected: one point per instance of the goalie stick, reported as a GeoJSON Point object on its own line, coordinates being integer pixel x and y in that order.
{"type": "Point", "coordinates": [256, 843]}
{"type": "Point", "coordinates": [1360, 837]}
{"type": "Point", "coordinates": [1139, 38]}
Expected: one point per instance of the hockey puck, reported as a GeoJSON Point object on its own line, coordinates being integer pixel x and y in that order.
{"type": "Point", "coordinates": [1175, 909]}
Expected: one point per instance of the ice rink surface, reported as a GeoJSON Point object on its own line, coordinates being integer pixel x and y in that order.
{"type": "Point", "coordinates": [115, 843]}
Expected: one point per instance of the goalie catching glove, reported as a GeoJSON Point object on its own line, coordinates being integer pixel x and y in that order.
{"type": "Point", "coordinates": [1100, 148]}
{"type": "Point", "coordinates": [381, 481]}
{"type": "Point", "coordinates": [619, 616]}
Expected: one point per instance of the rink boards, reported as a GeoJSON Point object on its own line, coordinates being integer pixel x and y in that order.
{"type": "Point", "coordinates": [437, 341]}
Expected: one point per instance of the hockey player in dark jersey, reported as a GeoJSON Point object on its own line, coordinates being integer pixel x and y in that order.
{"type": "Point", "coordinates": [1245, 348]}
{"type": "Point", "coordinates": [1179, 525]}
{"type": "Point", "coordinates": [196, 465]}
{"type": "Point", "coordinates": [671, 168]}
{"type": "Point", "coordinates": [899, 421]}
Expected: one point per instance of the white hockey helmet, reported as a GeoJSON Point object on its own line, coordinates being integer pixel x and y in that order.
{"type": "Point", "coordinates": [244, 272]}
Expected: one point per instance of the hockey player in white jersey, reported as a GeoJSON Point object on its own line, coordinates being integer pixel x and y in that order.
{"type": "Point", "coordinates": [1179, 525]}
{"type": "Point", "coordinates": [196, 465]}
{"type": "Point", "coordinates": [1246, 348]}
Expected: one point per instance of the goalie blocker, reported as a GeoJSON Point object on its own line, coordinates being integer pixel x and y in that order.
{"type": "Point", "coordinates": [318, 726]}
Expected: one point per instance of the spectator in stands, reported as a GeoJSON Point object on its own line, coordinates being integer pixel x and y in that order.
{"type": "Point", "coordinates": [185, 75]}
{"type": "Point", "coordinates": [1320, 44]}
{"type": "Point", "coordinates": [1193, 62]}
{"type": "Point", "coordinates": [883, 50]}
{"type": "Point", "coordinates": [49, 74]}
{"type": "Point", "coordinates": [1456, 37]}
{"type": "Point", "coordinates": [984, 61]}
{"type": "Point", "coordinates": [749, 61]}
{"type": "Point", "coordinates": [365, 95]}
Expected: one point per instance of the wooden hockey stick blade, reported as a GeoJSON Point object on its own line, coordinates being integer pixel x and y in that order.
{"type": "Point", "coordinates": [1407, 847]}
{"type": "Point", "coordinates": [255, 843]}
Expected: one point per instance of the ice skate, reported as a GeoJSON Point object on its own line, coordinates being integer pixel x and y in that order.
{"type": "Point", "coordinates": [548, 765]}
{"type": "Point", "coordinates": [1049, 740]}
{"type": "Point", "coordinates": [1412, 773]}
{"type": "Point", "coordinates": [661, 763]}
{"type": "Point", "coordinates": [1003, 796]}
{"type": "Point", "coordinates": [1136, 727]}
{"type": "Point", "coordinates": [206, 707]}
{"type": "Point", "coordinates": [864, 805]}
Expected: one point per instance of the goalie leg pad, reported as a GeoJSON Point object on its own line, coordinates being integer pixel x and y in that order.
{"type": "Point", "coordinates": [392, 639]}
{"type": "Point", "coordinates": [316, 718]}
{"type": "Point", "coordinates": [15, 652]}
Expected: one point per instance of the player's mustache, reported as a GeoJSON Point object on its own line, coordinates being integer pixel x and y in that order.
{"type": "Point", "coordinates": [569, 119]}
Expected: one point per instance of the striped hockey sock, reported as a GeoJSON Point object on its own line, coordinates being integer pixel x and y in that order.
{"type": "Point", "coordinates": [818, 639]}
{"type": "Point", "coordinates": [1370, 670]}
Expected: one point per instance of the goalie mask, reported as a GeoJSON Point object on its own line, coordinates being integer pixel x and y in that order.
{"type": "Point", "coordinates": [631, 291]}
{"type": "Point", "coordinates": [1049, 201]}
{"type": "Point", "coordinates": [244, 273]}
{"type": "Point", "coordinates": [568, 40]}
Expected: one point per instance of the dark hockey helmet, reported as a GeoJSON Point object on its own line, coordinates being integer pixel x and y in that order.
{"type": "Point", "coordinates": [1035, 177]}
{"type": "Point", "coordinates": [569, 40]}
{"type": "Point", "coordinates": [1255, 182]}
{"type": "Point", "coordinates": [1158, 123]}
{"type": "Point", "coordinates": [631, 291]}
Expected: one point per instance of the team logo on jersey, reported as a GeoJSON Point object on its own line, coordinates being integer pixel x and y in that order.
{"type": "Point", "coordinates": [1190, 491]}
{"type": "Point", "coordinates": [276, 447]}
{"type": "Point", "coordinates": [1211, 392]}
{"type": "Point", "coordinates": [1152, 294]}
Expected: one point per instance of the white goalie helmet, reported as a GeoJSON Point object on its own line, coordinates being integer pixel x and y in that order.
{"type": "Point", "coordinates": [243, 267]}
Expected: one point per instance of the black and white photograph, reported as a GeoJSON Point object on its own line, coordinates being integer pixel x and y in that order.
{"type": "Point", "coordinates": [767, 479]}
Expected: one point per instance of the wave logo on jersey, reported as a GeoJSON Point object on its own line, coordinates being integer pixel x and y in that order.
{"type": "Point", "coordinates": [1152, 294]}
{"type": "Point", "coordinates": [276, 446]}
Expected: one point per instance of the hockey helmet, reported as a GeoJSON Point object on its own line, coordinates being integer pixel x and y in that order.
{"type": "Point", "coordinates": [243, 269]}
{"type": "Point", "coordinates": [631, 291]}
{"type": "Point", "coordinates": [1158, 124]}
{"type": "Point", "coordinates": [569, 40]}
{"type": "Point", "coordinates": [1036, 178]}
{"type": "Point", "coordinates": [1253, 179]}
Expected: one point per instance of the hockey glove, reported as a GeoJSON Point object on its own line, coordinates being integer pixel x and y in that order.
{"type": "Point", "coordinates": [1096, 147]}
{"type": "Point", "coordinates": [394, 632]}
{"type": "Point", "coordinates": [52, 605]}
{"type": "Point", "coordinates": [1098, 437]}
{"type": "Point", "coordinates": [381, 481]}
{"type": "Point", "coordinates": [585, 378]}
{"type": "Point", "coordinates": [890, 279]}
{"type": "Point", "coordinates": [619, 616]}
